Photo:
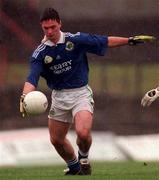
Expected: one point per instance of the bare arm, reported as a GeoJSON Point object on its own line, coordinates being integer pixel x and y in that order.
{"type": "Point", "coordinates": [114, 41]}
{"type": "Point", "coordinates": [28, 87]}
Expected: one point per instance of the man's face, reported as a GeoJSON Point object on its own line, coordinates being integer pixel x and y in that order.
{"type": "Point", "coordinates": [51, 29]}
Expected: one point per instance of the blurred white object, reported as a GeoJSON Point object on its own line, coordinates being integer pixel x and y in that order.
{"type": "Point", "coordinates": [35, 102]}
{"type": "Point", "coordinates": [149, 97]}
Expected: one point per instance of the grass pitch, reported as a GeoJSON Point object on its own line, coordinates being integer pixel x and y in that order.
{"type": "Point", "coordinates": [101, 171]}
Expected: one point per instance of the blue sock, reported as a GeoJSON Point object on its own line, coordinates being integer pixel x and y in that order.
{"type": "Point", "coordinates": [73, 165]}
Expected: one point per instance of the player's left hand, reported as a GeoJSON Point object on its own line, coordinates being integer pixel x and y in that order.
{"type": "Point", "coordinates": [140, 39]}
{"type": "Point", "coordinates": [22, 109]}
{"type": "Point", "coordinates": [149, 97]}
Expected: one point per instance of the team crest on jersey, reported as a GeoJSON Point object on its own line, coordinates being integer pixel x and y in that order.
{"type": "Point", "coordinates": [69, 46]}
{"type": "Point", "coordinates": [48, 59]}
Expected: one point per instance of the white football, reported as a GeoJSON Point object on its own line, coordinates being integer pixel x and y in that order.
{"type": "Point", "coordinates": [35, 103]}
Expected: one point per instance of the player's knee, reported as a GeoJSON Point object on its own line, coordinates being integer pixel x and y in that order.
{"type": "Point", "coordinates": [83, 134]}
{"type": "Point", "coordinates": [57, 142]}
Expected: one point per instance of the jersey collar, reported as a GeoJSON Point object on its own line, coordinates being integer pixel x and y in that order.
{"type": "Point", "coordinates": [61, 40]}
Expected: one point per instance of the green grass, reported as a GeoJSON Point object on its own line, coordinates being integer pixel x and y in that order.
{"type": "Point", "coordinates": [124, 79]}
{"type": "Point", "coordinates": [16, 73]}
{"type": "Point", "coordinates": [101, 171]}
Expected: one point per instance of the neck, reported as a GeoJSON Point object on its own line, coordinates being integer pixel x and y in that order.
{"type": "Point", "coordinates": [56, 39]}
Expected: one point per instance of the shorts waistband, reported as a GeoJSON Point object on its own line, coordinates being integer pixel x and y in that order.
{"type": "Point", "coordinates": [70, 90]}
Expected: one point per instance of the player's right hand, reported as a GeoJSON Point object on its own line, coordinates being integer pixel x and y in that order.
{"type": "Point", "coordinates": [22, 109]}
{"type": "Point", "coordinates": [149, 97]}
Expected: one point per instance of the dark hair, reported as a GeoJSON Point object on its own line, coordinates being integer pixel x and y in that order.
{"type": "Point", "coordinates": [50, 13]}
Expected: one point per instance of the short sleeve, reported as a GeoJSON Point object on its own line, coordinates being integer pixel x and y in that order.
{"type": "Point", "coordinates": [35, 71]}
{"type": "Point", "coordinates": [96, 44]}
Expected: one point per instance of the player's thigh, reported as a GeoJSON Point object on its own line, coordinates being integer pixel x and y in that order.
{"type": "Point", "coordinates": [83, 121]}
{"type": "Point", "coordinates": [58, 129]}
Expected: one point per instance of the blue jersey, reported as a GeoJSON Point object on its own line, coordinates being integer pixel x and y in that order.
{"type": "Point", "coordinates": [65, 65]}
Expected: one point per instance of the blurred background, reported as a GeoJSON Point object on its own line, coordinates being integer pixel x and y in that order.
{"type": "Point", "coordinates": [119, 79]}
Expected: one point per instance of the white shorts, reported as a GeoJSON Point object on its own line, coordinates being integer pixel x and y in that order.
{"type": "Point", "coordinates": [66, 103]}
